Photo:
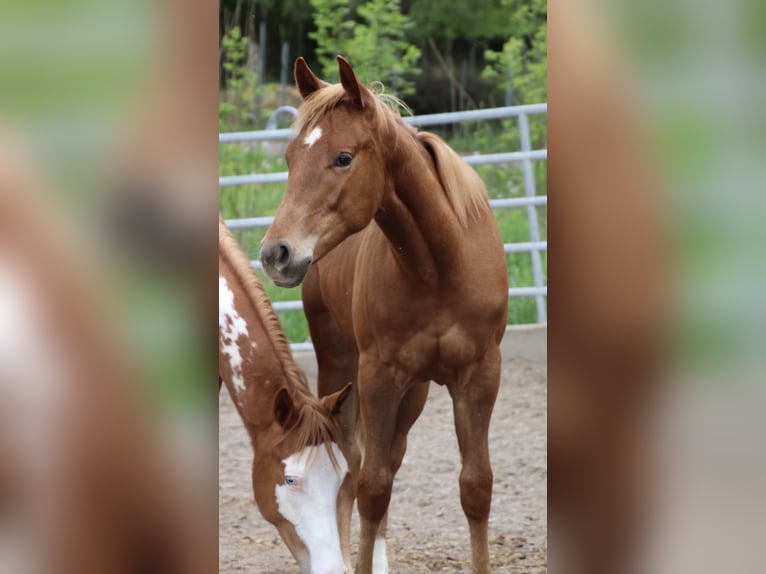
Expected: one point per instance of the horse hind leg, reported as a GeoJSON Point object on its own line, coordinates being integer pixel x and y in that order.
{"type": "Point", "coordinates": [473, 400]}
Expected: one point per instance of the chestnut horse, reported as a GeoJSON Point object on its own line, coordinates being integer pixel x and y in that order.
{"type": "Point", "coordinates": [298, 467]}
{"type": "Point", "coordinates": [405, 282]}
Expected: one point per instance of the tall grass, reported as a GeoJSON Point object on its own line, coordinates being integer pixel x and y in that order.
{"type": "Point", "coordinates": [502, 181]}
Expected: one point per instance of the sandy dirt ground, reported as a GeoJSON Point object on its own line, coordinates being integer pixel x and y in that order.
{"type": "Point", "coordinates": [427, 529]}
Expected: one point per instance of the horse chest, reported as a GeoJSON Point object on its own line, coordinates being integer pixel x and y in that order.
{"type": "Point", "coordinates": [431, 352]}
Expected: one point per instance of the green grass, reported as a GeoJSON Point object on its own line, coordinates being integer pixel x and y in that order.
{"type": "Point", "coordinates": [501, 182]}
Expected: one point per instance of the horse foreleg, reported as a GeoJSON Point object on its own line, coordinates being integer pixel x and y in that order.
{"type": "Point", "coordinates": [473, 398]}
{"type": "Point", "coordinates": [409, 411]}
{"type": "Point", "coordinates": [337, 364]}
{"type": "Point", "coordinates": [378, 414]}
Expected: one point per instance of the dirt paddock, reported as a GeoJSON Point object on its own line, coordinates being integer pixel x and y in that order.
{"type": "Point", "coordinates": [427, 529]}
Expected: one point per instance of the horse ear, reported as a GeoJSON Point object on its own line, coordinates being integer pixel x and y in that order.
{"type": "Point", "coordinates": [335, 401]}
{"type": "Point", "coordinates": [350, 82]}
{"type": "Point", "coordinates": [305, 79]}
{"type": "Point", "coordinates": [284, 408]}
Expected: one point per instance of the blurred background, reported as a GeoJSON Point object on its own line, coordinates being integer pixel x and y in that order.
{"type": "Point", "coordinates": [107, 221]}
{"type": "Point", "coordinates": [656, 341]}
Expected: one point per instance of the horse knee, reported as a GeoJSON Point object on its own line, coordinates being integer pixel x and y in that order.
{"type": "Point", "coordinates": [374, 493]}
{"type": "Point", "coordinates": [476, 493]}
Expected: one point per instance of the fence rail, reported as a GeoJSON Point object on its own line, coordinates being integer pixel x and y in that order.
{"type": "Point", "coordinates": [476, 159]}
{"type": "Point", "coordinates": [531, 201]}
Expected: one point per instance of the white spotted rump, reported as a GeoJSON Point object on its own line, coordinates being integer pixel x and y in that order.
{"type": "Point", "coordinates": [313, 137]}
{"type": "Point", "coordinates": [232, 328]}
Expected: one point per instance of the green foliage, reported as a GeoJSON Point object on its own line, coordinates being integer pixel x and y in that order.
{"type": "Point", "coordinates": [235, 106]}
{"type": "Point", "coordinates": [522, 67]}
{"type": "Point", "coordinates": [376, 46]}
{"type": "Point", "coordinates": [451, 19]}
{"type": "Point", "coordinates": [522, 64]}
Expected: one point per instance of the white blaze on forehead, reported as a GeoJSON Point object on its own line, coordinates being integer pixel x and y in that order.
{"type": "Point", "coordinates": [312, 138]}
{"type": "Point", "coordinates": [232, 327]}
{"type": "Point", "coordinates": [311, 507]}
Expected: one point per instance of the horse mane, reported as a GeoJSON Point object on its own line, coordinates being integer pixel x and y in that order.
{"type": "Point", "coordinates": [462, 186]}
{"type": "Point", "coordinates": [310, 426]}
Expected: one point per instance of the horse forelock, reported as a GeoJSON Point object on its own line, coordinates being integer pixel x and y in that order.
{"type": "Point", "coordinates": [312, 424]}
{"type": "Point", "coordinates": [312, 427]}
{"type": "Point", "coordinates": [386, 107]}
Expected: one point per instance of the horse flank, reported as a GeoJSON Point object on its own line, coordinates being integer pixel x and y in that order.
{"type": "Point", "coordinates": [463, 188]}
{"type": "Point", "coordinates": [311, 426]}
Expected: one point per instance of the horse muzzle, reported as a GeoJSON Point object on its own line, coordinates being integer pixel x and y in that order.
{"type": "Point", "coordinates": [282, 264]}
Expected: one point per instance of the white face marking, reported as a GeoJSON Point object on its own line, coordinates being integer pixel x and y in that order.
{"type": "Point", "coordinates": [309, 503]}
{"type": "Point", "coordinates": [312, 138]}
{"type": "Point", "coordinates": [232, 327]}
{"type": "Point", "coordinates": [379, 557]}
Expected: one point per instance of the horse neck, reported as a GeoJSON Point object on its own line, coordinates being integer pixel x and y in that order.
{"type": "Point", "coordinates": [415, 215]}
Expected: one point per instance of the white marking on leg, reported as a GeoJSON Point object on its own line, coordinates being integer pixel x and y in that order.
{"type": "Point", "coordinates": [308, 500]}
{"type": "Point", "coordinates": [232, 327]}
{"type": "Point", "coordinates": [313, 137]}
{"type": "Point", "coordinates": [379, 557]}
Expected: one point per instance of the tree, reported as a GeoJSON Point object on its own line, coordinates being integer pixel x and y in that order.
{"type": "Point", "coordinates": [376, 45]}
{"type": "Point", "coordinates": [235, 101]}
{"type": "Point", "coordinates": [453, 19]}
{"type": "Point", "coordinates": [522, 64]}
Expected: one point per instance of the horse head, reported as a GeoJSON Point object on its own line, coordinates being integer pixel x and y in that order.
{"type": "Point", "coordinates": [336, 173]}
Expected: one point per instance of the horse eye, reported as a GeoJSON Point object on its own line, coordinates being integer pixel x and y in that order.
{"type": "Point", "coordinates": [343, 159]}
{"type": "Point", "coordinates": [292, 481]}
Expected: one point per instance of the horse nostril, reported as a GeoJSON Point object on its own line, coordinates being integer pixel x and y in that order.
{"type": "Point", "coordinates": [283, 256]}
{"type": "Point", "coordinates": [276, 255]}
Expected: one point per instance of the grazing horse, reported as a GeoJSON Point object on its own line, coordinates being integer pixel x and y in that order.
{"type": "Point", "coordinates": [298, 467]}
{"type": "Point", "coordinates": [405, 282]}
